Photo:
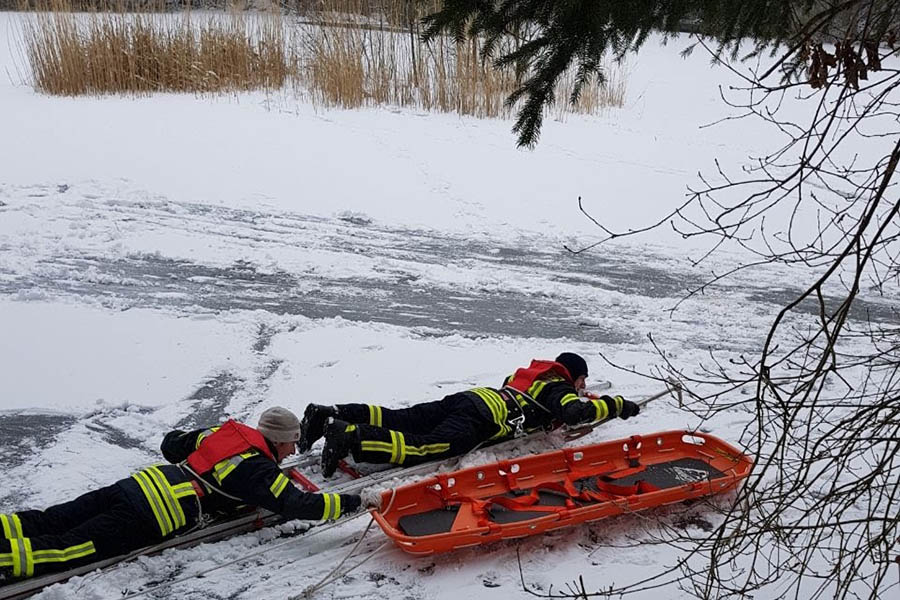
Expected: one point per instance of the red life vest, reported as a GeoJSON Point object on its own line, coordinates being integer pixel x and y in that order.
{"type": "Point", "coordinates": [231, 439]}
{"type": "Point", "coordinates": [525, 377]}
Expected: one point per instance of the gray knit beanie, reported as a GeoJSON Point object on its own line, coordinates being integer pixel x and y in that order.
{"type": "Point", "coordinates": [278, 424]}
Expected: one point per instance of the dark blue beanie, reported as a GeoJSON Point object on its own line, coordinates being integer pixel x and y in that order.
{"type": "Point", "coordinates": [574, 364]}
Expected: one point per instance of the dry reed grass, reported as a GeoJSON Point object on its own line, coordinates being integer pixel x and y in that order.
{"type": "Point", "coordinates": [348, 53]}
{"type": "Point", "coordinates": [358, 53]}
{"type": "Point", "coordinates": [128, 52]}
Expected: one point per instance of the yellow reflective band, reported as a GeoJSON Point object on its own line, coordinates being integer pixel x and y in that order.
{"type": "Point", "coordinates": [6, 560]}
{"type": "Point", "coordinates": [501, 403]}
{"type": "Point", "coordinates": [620, 402]}
{"type": "Point", "coordinates": [178, 518]}
{"type": "Point", "coordinates": [374, 415]}
{"type": "Point", "coordinates": [376, 446]}
{"type": "Point", "coordinates": [504, 411]}
{"type": "Point", "coordinates": [498, 419]}
{"type": "Point", "coordinates": [567, 399]}
{"type": "Point", "coordinates": [427, 449]}
{"type": "Point", "coordinates": [29, 558]}
{"type": "Point", "coordinates": [327, 511]}
{"type": "Point", "coordinates": [223, 468]}
{"type": "Point", "coordinates": [490, 405]}
{"type": "Point", "coordinates": [10, 528]}
{"type": "Point", "coordinates": [165, 521]}
{"type": "Point", "coordinates": [376, 443]}
{"type": "Point", "coordinates": [161, 493]}
{"type": "Point", "coordinates": [278, 485]}
{"type": "Point", "coordinates": [220, 474]}
{"type": "Point", "coordinates": [200, 437]}
{"type": "Point", "coordinates": [164, 492]}
{"type": "Point", "coordinates": [170, 491]}
{"type": "Point", "coordinates": [71, 553]}
{"type": "Point", "coordinates": [501, 412]}
{"type": "Point", "coordinates": [350, 428]}
{"type": "Point", "coordinates": [18, 557]}
{"type": "Point", "coordinates": [401, 444]}
{"type": "Point", "coordinates": [600, 410]}
{"type": "Point", "coordinates": [184, 489]}
{"type": "Point", "coordinates": [537, 387]}
{"type": "Point", "coordinates": [337, 506]}
{"type": "Point", "coordinates": [162, 519]}
{"type": "Point", "coordinates": [395, 451]}
{"type": "Point", "coordinates": [487, 393]}
{"type": "Point", "coordinates": [497, 406]}
{"type": "Point", "coordinates": [17, 526]}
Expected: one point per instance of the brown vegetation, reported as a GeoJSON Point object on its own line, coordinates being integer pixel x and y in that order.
{"type": "Point", "coordinates": [347, 53]}
{"type": "Point", "coordinates": [354, 56]}
{"type": "Point", "coordinates": [115, 51]}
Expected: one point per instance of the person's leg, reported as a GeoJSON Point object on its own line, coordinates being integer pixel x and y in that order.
{"type": "Point", "coordinates": [117, 530]}
{"type": "Point", "coordinates": [419, 418]}
{"type": "Point", "coordinates": [461, 428]}
{"type": "Point", "coordinates": [58, 518]}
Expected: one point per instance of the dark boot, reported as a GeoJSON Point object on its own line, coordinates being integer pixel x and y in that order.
{"type": "Point", "coordinates": [340, 439]}
{"type": "Point", "coordinates": [312, 427]}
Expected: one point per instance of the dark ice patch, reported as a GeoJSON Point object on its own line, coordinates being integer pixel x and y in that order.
{"type": "Point", "coordinates": [22, 434]}
{"type": "Point", "coordinates": [113, 435]}
{"type": "Point", "coordinates": [264, 336]}
{"type": "Point", "coordinates": [861, 310]}
{"type": "Point", "coordinates": [394, 292]}
{"type": "Point", "coordinates": [149, 281]}
{"type": "Point", "coordinates": [209, 401]}
{"type": "Point", "coordinates": [269, 369]}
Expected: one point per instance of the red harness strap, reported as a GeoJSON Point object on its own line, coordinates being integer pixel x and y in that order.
{"type": "Point", "coordinates": [616, 490]}
{"type": "Point", "coordinates": [523, 503]}
{"type": "Point", "coordinates": [605, 491]}
{"type": "Point", "coordinates": [231, 439]}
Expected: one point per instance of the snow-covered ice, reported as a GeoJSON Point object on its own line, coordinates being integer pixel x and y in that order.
{"type": "Point", "coordinates": [166, 261]}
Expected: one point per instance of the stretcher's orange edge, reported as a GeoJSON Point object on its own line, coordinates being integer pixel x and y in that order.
{"type": "Point", "coordinates": [672, 444]}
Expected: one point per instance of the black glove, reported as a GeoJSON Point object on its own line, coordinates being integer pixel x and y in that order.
{"type": "Point", "coordinates": [629, 408]}
{"type": "Point", "coordinates": [350, 503]}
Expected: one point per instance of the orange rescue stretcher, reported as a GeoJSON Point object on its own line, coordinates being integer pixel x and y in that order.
{"type": "Point", "coordinates": [521, 497]}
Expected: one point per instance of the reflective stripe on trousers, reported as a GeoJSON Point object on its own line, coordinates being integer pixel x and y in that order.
{"type": "Point", "coordinates": [164, 498]}
{"type": "Point", "coordinates": [22, 558]}
{"type": "Point", "coordinates": [399, 450]}
{"type": "Point", "coordinates": [497, 405]}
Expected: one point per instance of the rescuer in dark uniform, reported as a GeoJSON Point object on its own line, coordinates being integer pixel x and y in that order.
{"type": "Point", "coordinates": [544, 395]}
{"type": "Point", "coordinates": [218, 470]}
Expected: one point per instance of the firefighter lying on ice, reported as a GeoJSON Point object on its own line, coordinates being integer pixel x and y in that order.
{"type": "Point", "coordinates": [218, 470]}
{"type": "Point", "coordinates": [541, 396]}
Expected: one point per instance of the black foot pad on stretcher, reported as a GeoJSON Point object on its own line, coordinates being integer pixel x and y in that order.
{"type": "Point", "coordinates": [660, 475]}
{"type": "Point", "coordinates": [431, 522]}
{"type": "Point", "coordinates": [501, 514]}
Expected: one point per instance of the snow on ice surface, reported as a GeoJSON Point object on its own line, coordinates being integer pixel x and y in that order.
{"type": "Point", "coordinates": [394, 166]}
{"type": "Point", "coordinates": [166, 261]}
